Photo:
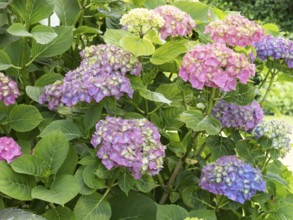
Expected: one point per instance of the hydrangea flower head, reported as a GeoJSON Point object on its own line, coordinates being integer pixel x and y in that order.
{"type": "Point", "coordinates": [278, 131]}
{"type": "Point", "coordinates": [231, 177]}
{"type": "Point", "coordinates": [9, 149]}
{"type": "Point", "coordinates": [177, 22]}
{"type": "Point", "coordinates": [215, 65]}
{"type": "Point", "coordinates": [277, 48]}
{"type": "Point", "coordinates": [134, 144]}
{"type": "Point", "coordinates": [237, 116]}
{"type": "Point", "coordinates": [8, 90]}
{"type": "Point", "coordinates": [235, 30]}
{"type": "Point", "coordinates": [100, 74]}
{"type": "Point", "coordinates": [141, 20]}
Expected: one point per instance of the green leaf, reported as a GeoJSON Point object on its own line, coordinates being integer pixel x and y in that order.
{"type": "Point", "coordinates": [18, 29]}
{"type": "Point", "coordinates": [92, 207]}
{"type": "Point", "coordinates": [68, 128]}
{"type": "Point", "coordinates": [90, 179]}
{"type": "Point", "coordinates": [195, 198]}
{"type": "Point", "coordinates": [174, 212]}
{"type": "Point", "coordinates": [126, 182]}
{"type": "Point", "coordinates": [243, 95]}
{"type": "Point", "coordinates": [84, 189]}
{"type": "Point", "coordinates": [154, 96]}
{"type": "Point", "coordinates": [59, 45]}
{"type": "Point", "coordinates": [43, 34]}
{"type": "Point", "coordinates": [113, 36]}
{"type": "Point", "coordinates": [17, 186]}
{"type": "Point", "coordinates": [34, 92]}
{"type": "Point", "coordinates": [18, 214]}
{"type": "Point", "coordinates": [92, 115]}
{"type": "Point", "coordinates": [24, 118]}
{"type": "Point", "coordinates": [52, 150]}
{"type": "Point", "coordinates": [204, 214]}
{"type": "Point", "coordinates": [70, 162]}
{"type": "Point", "coordinates": [271, 29]}
{"type": "Point", "coordinates": [220, 146]}
{"type": "Point", "coordinates": [137, 46]}
{"type": "Point", "coordinates": [68, 11]}
{"type": "Point", "coordinates": [59, 213]}
{"type": "Point", "coordinates": [244, 151]}
{"type": "Point", "coordinates": [197, 10]}
{"type": "Point", "coordinates": [4, 3]}
{"type": "Point", "coordinates": [33, 11]}
{"type": "Point", "coordinates": [48, 78]}
{"type": "Point", "coordinates": [5, 61]}
{"type": "Point", "coordinates": [86, 30]}
{"type": "Point", "coordinates": [195, 120]}
{"type": "Point", "coordinates": [62, 190]}
{"type": "Point", "coordinates": [145, 184]}
{"type": "Point", "coordinates": [168, 52]}
{"type": "Point", "coordinates": [152, 4]}
{"type": "Point", "coordinates": [276, 178]}
{"type": "Point", "coordinates": [135, 206]}
{"type": "Point", "coordinates": [29, 164]}
{"type": "Point", "coordinates": [265, 142]}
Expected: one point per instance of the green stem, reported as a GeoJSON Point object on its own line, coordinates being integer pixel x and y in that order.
{"type": "Point", "coordinates": [146, 107]}
{"type": "Point", "coordinates": [211, 101]}
{"type": "Point", "coordinates": [266, 161]}
{"type": "Point", "coordinates": [156, 109]}
{"type": "Point", "coordinates": [265, 79]}
{"type": "Point", "coordinates": [184, 101]}
{"type": "Point", "coordinates": [270, 86]}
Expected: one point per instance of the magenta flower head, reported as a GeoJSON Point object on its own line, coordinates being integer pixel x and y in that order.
{"type": "Point", "coordinates": [8, 90]}
{"type": "Point", "coordinates": [134, 144]}
{"type": "Point", "coordinates": [215, 65]}
{"type": "Point", "coordinates": [235, 30]}
{"type": "Point", "coordinates": [9, 149]}
{"type": "Point", "coordinates": [237, 116]}
{"type": "Point", "coordinates": [278, 48]}
{"type": "Point", "coordinates": [278, 131]}
{"type": "Point", "coordinates": [177, 22]}
{"type": "Point", "coordinates": [231, 177]}
{"type": "Point", "coordinates": [100, 74]}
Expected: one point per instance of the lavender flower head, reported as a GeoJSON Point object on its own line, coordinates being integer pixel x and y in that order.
{"type": "Point", "coordinates": [9, 149]}
{"type": "Point", "coordinates": [215, 65]}
{"type": "Point", "coordinates": [177, 22]}
{"type": "Point", "coordinates": [134, 144]}
{"type": "Point", "coordinates": [8, 90]}
{"type": "Point", "coordinates": [233, 178]}
{"type": "Point", "coordinates": [235, 30]}
{"type": "Point", "coordinates": [237, 116]}
{"type": "Point", "coordinates": [278, 131]}
{"type": "Point", "coordinates": [100, 74]}
{"type": "Point", "coordinates": [277, 48]}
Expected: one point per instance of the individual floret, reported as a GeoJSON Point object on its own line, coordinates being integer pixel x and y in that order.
{"type": "Point", "coordinates": [177, 22]}
{"type": "Point", "coordinates": [278, 131]}
{"type": "Point", "coordinates": [277, 48]}
{"type": "Point", "coordinates": [231, 177]}
{"type": "Point", "coordinates": [237, 116]}
{"type": "Point", "coordinates": [134, 144]}
{"type": "Point", "coordinates": [8, 90]}
{"type": "Point", "coordinates": [9, 149]}
{"type": "Point", "coordinates": [235, 30]}
{"type": "Point", "coordinates": [215, 65]}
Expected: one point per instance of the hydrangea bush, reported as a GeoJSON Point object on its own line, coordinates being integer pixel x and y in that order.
{"type": "Point", "coordinates": [139, 108]}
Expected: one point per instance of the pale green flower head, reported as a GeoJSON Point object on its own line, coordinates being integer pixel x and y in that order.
{"type": "Point", "coordinates": [194, 218]}
{"type": "Point", "coordinates": [140, 20]}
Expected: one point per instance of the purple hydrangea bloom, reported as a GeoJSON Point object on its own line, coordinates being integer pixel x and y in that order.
{"type": "Point", "coordinates": [231, 177]}
{"type": "Point", "coordinates": [237, 116]}
{"type": "Point", "coordinates": [278, 131]}
{"type": "Point", "coordinates": [277, 48]}
{"type": "Point", "coordinates": [100, 74]}
{"type": "Point", "coordinates": [8, 90]}
{"type": "Point", "coordinates": [9, 149]}
{"type": "Point", "coordinates": [134, 144]}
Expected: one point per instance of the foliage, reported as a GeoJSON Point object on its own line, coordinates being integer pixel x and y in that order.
{"type": "Point", "coordinates": [109, 127]}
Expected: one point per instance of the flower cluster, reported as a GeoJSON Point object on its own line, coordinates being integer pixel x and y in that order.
{"type": "Point", "coordinates": [277, 48]}
{"type": "Point", "coordinates": [235, 30]}
{"type": "Point", "coordinates": [236, 116]}
{"type": "Point", "coordinates": [134, 144]}
{"type": "Point", "coordinates": [177, 22]}
{"type": "Point", "coordinates": [233, 178]}
{"type": "Point", "coordinates": [100, 74]}
{"type": "Point", "coordinates": [215, 65]}
{"type": "Point", "coordinates": [278, 131]}
{"type": "Point", "coordinates": [9, 149]}
{"type": "Point", "coordinates": [8, 90]}
{"type": "Point", "coordinates": [140, 20]}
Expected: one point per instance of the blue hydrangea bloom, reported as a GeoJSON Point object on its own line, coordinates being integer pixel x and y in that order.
{"type": "Point", "coordinates": [231, 177]}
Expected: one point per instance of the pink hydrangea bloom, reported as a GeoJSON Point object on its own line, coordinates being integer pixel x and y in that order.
{"type": "Point", "coordinates": [215, 65]}
{"type": "Point", "coordinates": [8, 90]}
{"type": "Point", "coordinates": [9, 149]}
{"type": "Point", "coordinates": [235, 30]}
{"type": "Point", "coordinates": [177, 22]}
